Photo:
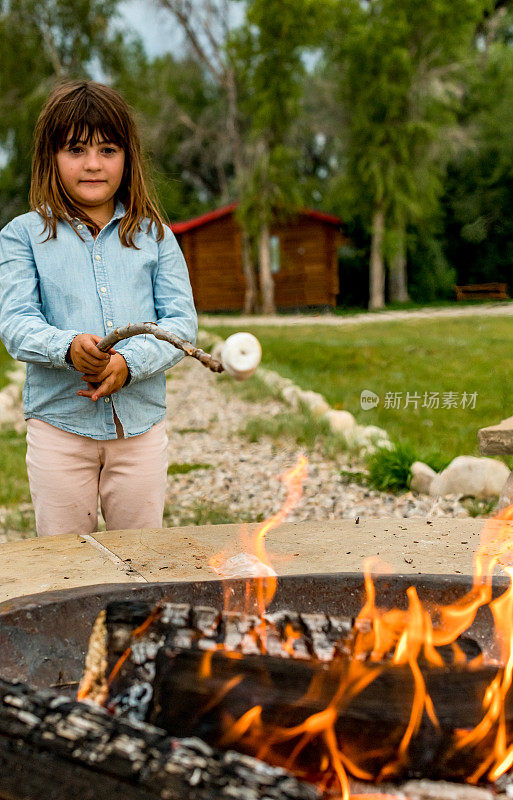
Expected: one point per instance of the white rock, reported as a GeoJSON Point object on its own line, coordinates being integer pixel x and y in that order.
{"type": "Point", "coordinates": [468, 475]}
{"type": "Point", "coordinates": [314, 401]}
{"type": "Point", "coordinates": [339, 421]}
{"type": "Point", "coordinates": [506, 497]}
{"type": "Point", "coordinates": [384, 444]}
{"type": "Point", "coordinates": [217, 350]}
{"type": "Point", "coordinates": [273, 379]}
{"type": "Point", "coordinates": [373, 434]}
{"type": "Point", "coordinates": [291, 395]}
{"type": "Point", "coordinates": [422, 477]}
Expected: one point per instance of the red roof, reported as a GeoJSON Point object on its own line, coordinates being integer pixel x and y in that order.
{"type": "Point", "coordinates": [196, 222]}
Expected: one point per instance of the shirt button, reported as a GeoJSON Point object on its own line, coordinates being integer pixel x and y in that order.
{"type": "Point", "coordinates": [98, 258]}
{"type": "Point", "coordinates": [79, 227]}
{"type": "Point", "coordinates": [109, 323]}
{"type": "Point", "coordinates": [107, 399]}
{"type": "Point", "coordinates": [103, 289]}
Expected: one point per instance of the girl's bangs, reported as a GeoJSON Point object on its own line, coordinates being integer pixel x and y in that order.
{"type": "Point", "coordinates": [85, 127]}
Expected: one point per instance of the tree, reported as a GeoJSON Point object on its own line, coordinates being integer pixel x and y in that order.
{"type": "Point", "coordinates": [42, 41]}
{"type": "Point", "coordinates": [269, 51]}
{"type": "Point", "coordinates": [181, 118]}
{"type": "Point", "coordinates": [478, 202]}
{"type": "Point", "coordinates": [399, 66]}
{"type": "Point", "coordinates": [207, 26]}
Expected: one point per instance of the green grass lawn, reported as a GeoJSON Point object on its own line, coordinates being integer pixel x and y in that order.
{"type": "Point", "coordinates": [6, 363]}
{"type": "Point", "coordinates": [13, 471]}
{"type": "Point", "coordinates": [435, 356]}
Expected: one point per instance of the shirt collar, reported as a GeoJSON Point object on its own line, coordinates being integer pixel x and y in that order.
{"type": "Point", "coordinates": [119, 211]}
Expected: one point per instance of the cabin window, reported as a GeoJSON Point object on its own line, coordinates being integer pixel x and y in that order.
{"type": "Point", "coordinates": [274, 247]}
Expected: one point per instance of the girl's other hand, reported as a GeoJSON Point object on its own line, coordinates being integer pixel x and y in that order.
{"type": "Point", "coordinates": [110, 380]}
{"type": "Point", "coordinates": [86, 357]}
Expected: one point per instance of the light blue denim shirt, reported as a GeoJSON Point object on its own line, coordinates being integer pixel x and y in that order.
{"type": "Point", "coordinates": [51, 291]}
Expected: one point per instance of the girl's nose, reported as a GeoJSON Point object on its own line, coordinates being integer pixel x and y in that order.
{"type": "Point", "coordinates": [92, 160]}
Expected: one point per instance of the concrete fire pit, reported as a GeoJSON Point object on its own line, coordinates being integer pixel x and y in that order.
{"type": "Point", "coordinates": [412, 546]}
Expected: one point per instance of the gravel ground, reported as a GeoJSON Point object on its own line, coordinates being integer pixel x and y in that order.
{"type": "Point", "coordinates": [240, 481]}
{"type": "Point", "coordinates": [204, 419]}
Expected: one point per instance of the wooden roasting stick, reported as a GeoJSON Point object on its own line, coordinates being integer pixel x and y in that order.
{"type": "Point", "coordinates": [53, 748]}
{"type": "Point", "coordinates": [241, 352]}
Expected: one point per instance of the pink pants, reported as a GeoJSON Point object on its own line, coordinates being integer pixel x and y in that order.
{"type": "Point", "coordinates": [66, 473]}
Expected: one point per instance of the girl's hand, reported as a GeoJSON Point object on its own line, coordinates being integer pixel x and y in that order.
{"type": "Point", "coordinates": [86, 357]}
{"type": "Point", "coordinates": [110, 380]}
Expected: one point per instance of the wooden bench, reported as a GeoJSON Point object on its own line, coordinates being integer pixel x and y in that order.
{"type": "Point", "coordinates": [482, 291]}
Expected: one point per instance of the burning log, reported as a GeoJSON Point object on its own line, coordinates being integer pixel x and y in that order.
{"type": "Point", "coordinates": [52, 748]}
{"type": "Point", "coordinates": [120, 664]}
{"type": "Point", "coordinates": [264, 705]}
{"type": "Point", "coordinates": [258, 683]}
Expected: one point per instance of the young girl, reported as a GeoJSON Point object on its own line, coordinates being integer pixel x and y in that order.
{"type": "Point", "coordinates": [92, 255]}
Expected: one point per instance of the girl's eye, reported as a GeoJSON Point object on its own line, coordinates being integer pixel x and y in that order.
{"type": "Point", "coordinates": [109, 150]}
{"type": "Point", "coordinates": [75, 150]}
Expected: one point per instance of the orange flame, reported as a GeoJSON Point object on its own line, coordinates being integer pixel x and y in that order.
{"type": "Point", "coordinates": [402, 639]}
{"type": "Point", "coordinates": [255, 562]}
{"type": "Point", "coordinates": [383, 642]}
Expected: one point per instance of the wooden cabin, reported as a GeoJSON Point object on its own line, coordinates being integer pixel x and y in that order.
{"type": "Point", "coordinates": [303, 259]}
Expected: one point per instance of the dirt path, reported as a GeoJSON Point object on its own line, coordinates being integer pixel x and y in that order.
{"type": "Point", "coordinates": [502, 309]}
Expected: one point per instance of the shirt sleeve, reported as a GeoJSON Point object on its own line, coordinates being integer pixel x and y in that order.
{"type": "Point", "coordinates": [174, 307]}
{"type": "Point", "coordinates": [23, 328]}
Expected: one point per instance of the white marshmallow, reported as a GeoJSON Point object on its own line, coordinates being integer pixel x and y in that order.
{"type": "Point", "coordinates": [241, 355]}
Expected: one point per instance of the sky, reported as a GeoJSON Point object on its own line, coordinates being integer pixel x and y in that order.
{"type": "Point", "coordinates": [154, 26]}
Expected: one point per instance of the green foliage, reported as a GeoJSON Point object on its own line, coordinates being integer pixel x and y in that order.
{"type": "Point", "coordinates": [180, 115]}
{"type": "Point", "coordinates": [479, 191]}
{"type": "Point", "coordinates": [20, 523]}
{"type": "Point", "coordinates": [268, 52]}
{"type": "Point", "coordinates": [183, 469]}
{"type": "Point", "coordinates": [480, 508]}
{"type": "Point", "coordinates": [401, 69]}
{"type": "Point", "coordinates": [42, 42]}
{"type": "Point", "coordinates": [390, 470]}
{"type": "Point", "coordinates": [436, 460]}
{"type": "Point", "coordinates": [300, 427]}
{"type": "Point", "coordinates": [14, 484]}
{"type": "Point", "coordinates": [206, 514]}
{"type": "Point", "coordinates": [431, 276]}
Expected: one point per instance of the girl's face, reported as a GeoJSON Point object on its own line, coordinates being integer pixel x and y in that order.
{"type": "Point", "coordinates": [92, 173]}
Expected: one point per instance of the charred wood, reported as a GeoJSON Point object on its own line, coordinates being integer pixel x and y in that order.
{"type": "Point", "coordinates": [120, 664]}
{"type": "Point", "coordinates": [197, 671]}
{"type": "Point", "coordinates": [205, 695]}
{"type": "Point", "coordinates": [52, 748]}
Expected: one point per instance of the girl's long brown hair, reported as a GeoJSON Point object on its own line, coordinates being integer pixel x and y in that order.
{"type": "Point", "coordinates": [82, 110]}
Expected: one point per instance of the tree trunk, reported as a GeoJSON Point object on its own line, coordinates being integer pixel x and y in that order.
{"type": "Point", "coordinates": [248, 269]}
{"type": "Point", "coordinates": [266, 278]}
{"type": "Point", "coordinates": [232, 123]}
{"type": "Point", "coordinates": [377, 269]}
{"type": "Point", "coordinates": [398, 284]}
